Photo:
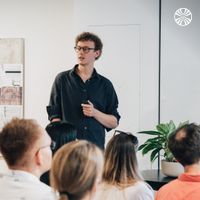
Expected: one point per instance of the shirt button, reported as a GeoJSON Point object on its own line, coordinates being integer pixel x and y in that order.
{"type": "Point", "coordinates": [85, 127]}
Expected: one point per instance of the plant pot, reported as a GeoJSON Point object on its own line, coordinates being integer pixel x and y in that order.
{"type": "Point", "coordinates": [172, 169]}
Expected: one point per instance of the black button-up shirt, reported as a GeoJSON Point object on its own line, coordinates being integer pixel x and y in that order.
{"type": "Point", "coordinates": [69, 92]}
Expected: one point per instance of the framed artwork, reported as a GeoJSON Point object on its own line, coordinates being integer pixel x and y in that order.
{"type": "Point", "coordinates": [11, 79]}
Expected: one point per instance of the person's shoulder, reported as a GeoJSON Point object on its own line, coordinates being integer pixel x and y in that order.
{"type": "Point", "coordinates": [171, 185]}
{"type": "Point", "coordinates": [44, 189]}
{"type": "Point", "coordinates": [142, 186]}
{"type": "Point", "coordinates": [141, 190]}
{"type": "Point", "coordinates": [168, 188]}
{"type": "Point", "coordinates": [106, 81]}
{"type": "Point", "coordinates": [62, 75]}
{"type": "Point", "coordinates": [104, 78]}
{"type": "Point", "coordinates": [107, 192]}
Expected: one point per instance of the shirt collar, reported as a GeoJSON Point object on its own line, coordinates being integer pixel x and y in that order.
{"type": "Point", "coordinates": [94, 73]}
{"type": "Point", "coordinates": [19, 174]}
{"type": "Point", "coordinates": [189, 178]}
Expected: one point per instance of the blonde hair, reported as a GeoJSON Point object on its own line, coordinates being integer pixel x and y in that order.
{"type": "Point", "coordinates": [75, 169]}
{"type": "Point", "coordinates": [120, 166]}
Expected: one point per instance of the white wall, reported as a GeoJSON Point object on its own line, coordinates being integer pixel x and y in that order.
{"type": "Point", "coordinates": [45, 25]}
{"type": "Point", "coordinates": [49, 28]}
{"type": "Point", "coordinates": [130, 57]}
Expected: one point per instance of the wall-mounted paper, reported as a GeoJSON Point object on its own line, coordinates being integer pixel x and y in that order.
{"type": "Point", "coordinates": [11, 79]}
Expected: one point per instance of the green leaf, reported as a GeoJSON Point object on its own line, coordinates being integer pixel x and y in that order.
{"type": "Point", "coordinates": [168, 155]}
{"type": "Point", "coordinates": [172, 126]}
{"type": "Point", "coordinates": [154, 158]}
{"type": "Point", "coordinates": [142, 146]}
{"type": "Point", "coordinates": [149, 132]}
{"type": "Point", "coordinates": [163, 128]}
{"type": "Point", "coordinates": [149, 147]}
{"type": "Point", "coordinates": [154, 154]}
{"type": "Point", "coordinates": [159, 140]}
{"type": "Point", "coordinates": [155, 139]}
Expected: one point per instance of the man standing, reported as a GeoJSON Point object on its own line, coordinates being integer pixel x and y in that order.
{"type": "Point", "coordinates": [185, 146]}
{"type": "Point", "coordinates": [25, 147]}
{"type": "Point", "coordinates": [83, 97]}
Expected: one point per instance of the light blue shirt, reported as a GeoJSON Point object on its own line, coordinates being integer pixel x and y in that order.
{"type": "Point", "coordinates": [21, 185]}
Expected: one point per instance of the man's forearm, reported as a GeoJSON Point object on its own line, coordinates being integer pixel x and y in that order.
{"type": "Point", "coordinates": [109, 121]}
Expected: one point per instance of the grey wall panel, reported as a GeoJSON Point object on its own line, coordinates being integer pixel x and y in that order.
{"type": "Point", "coordinates": [180, 63]}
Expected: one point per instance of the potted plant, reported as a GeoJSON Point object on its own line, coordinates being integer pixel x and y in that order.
{"type": "Point", "coordinates": [159, 143]}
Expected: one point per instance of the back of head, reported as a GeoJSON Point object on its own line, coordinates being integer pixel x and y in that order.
{"type": "Point", "coordinates": [120, 166]}
{"type": "Point", "coordinates": [75, 169]}
{"type": "Point", "coordinates": [61, 133]}
{"type": "Point", "coordinates": [16, 139]}
{"type": "Point", "coordinates": [184, 143]}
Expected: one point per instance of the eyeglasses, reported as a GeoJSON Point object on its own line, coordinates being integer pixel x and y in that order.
{"type": "Point", "coordinates": [130, 135]}
{"type": "Point", "coordinates": [52, 146]}
{"type": "Point", "coordinates": [85, 49]}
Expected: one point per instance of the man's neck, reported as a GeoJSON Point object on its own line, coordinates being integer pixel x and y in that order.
{"type": "Point", "coordinates": [192, 169]}
{"type": "Point", "coordinates": [85, 72]}
{"type": "Point", "coordinates": [26, 169]}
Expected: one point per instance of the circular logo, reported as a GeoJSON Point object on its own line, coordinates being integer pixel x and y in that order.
{"type": "Point", "coordinates": [183, 16]}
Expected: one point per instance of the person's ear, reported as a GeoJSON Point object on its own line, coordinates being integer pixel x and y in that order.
{"type": "Point", "coordinates": [38, 157]}
{"type": "Point", "coordinates": [98, 53]}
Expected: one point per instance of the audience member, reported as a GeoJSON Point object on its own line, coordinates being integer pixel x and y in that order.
{"type": "Point", "coordinates": [184, 143]}
{"type": "Point", "coordinates": [76, 170]}
{"type": "Point", "coordinates": [121, 178]}
{"type": "Point", "coordinates": [60, 133]}
{"type": "Point", "coordinates": [25, 147]}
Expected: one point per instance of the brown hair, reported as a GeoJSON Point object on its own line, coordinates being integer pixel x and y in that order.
{"type": "Point", "coordinates": [16, 138]}
{"type": "Point", "coordinates": [120, 166]}
{"type": "Point", "coordinates": [184, 143]}
{"type": "Point", "coordinates": [87, 36]}
{"type": "Point", "coordinates": [75, 169]}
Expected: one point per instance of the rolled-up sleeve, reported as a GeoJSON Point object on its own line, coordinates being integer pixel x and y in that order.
{"type": "Point", "coordinates": [112, 104]}
{"type": "Point", "coordinates": [54, 107]}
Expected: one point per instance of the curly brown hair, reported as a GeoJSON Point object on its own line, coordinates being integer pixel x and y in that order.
{"type": "Point", "coordinates": [87, 36]}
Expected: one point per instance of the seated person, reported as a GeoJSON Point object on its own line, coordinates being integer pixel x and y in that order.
{"type": "Point", "coordinates": [25, 147]}
{"type": "Point", "coordinates": [76, 170]}
{"type": "Point", "coordinates": [121, 179]}
{"type": "Point", "coordinates": [184, 143]}
{"type": "Point", "coordinates": [60, 133]}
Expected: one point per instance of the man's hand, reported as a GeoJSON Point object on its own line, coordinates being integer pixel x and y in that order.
{"type": "Point", "coordinates": [88, 109]}
{"type": "Point", "coordinates": [56, 120]}
{"type": "Point", "coordinates": [107, 120]}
